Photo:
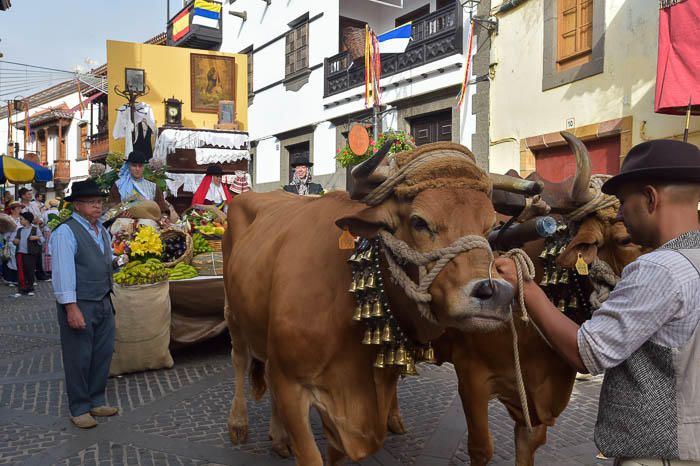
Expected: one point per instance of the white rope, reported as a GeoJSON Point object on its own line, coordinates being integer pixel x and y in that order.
{"type": "Point", "coordinates": [600, 200]}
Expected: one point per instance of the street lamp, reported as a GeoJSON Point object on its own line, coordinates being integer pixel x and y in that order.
{"type": "Point", "coordinates": [86, 145]}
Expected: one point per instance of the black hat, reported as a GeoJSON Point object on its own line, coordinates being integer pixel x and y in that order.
{"type": "Point", "coordinates": [661, 160]}
{"type": "Point", "coordinates": [215, 170]}
{"type": "Point", "coordinates": [137, 157]}
{"type": "Point", "coordinates": [301, 159]}
{"type": "Point", "coordinates": [87, 188]}
{"type": "Point", "coordinates": [28, 216]}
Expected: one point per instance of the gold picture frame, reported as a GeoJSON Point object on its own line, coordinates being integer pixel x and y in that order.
{"type": "Point", "coordinates": [212, 79]}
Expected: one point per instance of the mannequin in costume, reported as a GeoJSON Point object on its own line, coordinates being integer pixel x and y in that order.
{"type": "Point", "coordinates": [131, 182]}
{"type": "Point", "coordinates": [211, 190]}
{"type": "Point", "coordinates": [301, 182]}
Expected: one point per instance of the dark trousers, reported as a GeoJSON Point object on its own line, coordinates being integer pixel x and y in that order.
{"type": "Point", "coordinates": [26, 266]}
{"type": "Point", "coordinates": [87, 354]}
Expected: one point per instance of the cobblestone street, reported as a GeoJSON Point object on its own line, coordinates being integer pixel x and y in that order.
{"type": "Point", "coordinates": [178, 416]}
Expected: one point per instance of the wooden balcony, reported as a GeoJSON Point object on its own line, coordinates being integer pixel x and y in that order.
{"type": "Point", "coordinates": [434, 36]}
{"type": "Point", "coordinates": [99, 146]}
{"type": "Point", "coordinates": [198, 36]}
{"type": "Point", "coordinates": [61, 171]}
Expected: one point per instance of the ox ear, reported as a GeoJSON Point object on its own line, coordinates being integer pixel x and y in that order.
{"type": "Point", "coordinates": [586, 242]}
{"type": "Point", "coordinates": [366, 223]}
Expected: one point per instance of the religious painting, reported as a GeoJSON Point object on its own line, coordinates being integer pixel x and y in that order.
{"type": "Point", "coordinates": [135, 79]}
{"type": "Point", "coordinates": [227, 112]}
{"type": "Point", "coordinates": [212, 78]}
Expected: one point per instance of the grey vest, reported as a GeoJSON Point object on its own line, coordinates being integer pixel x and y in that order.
{"type": "Point", "coordinates": [650, 404]}
{"type": "Point", "coordinates": [93, 268]}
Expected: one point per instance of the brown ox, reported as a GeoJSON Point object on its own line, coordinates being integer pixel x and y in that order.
{"type": "Point", "coordinates": [484, 362]}
{"type": "Point", "coordinates": [290, 312]}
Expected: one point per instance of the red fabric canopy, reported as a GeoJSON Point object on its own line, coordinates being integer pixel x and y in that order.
{"type": "Point", "coordinates": [678, 68]}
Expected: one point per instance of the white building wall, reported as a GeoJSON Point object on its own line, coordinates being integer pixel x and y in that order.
{"type": "Point", "coordinates": [520, 109]}
{"type": "Point", "coordinates": [267, 161]}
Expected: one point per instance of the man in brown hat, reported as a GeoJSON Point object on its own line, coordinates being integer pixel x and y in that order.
{"type": "Point", "coordinates": [646, 336]}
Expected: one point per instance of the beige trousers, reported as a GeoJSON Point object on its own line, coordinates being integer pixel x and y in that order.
{"type": "Point", "coordinates": [651, 462]}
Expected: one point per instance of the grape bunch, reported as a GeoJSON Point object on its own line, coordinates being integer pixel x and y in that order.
{"type": "Point", "coordinates": [173, 248]}
{"type": "Point", "coordinates": [200, 245]}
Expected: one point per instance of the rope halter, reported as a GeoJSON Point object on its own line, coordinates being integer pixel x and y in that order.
{"type": "Point", "coordinates": [397, 251]}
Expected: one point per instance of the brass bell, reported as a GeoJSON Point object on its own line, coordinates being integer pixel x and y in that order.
{"type": "Point", "coordinates": [370, 282]}
{"type": "Point", "coordinates": [561, 250]}
{"type": "Point", "coordinates": [543, 254]}
{"type": "Point", "coordinates": [377, 336]}
{"type": "Point", "coordinates": [366, 310]}
{"type": "Point", "coordinates": [358, 313]}
{"type": "Point", "coordinates": [410, 368]}
{"type": "Point", "coordinates": [353, 286]}
{"type": "Point", "coordinates": [379, 363]}
{"type": "Point", "coordinates": [429, 355]}
{"type": "Point", "coordinates": [387, 336]}
{"type": "Point", "coordinates": [353, 257]}
{"type": "Point", "coordinates": [389, 358]}
{"type": "Point", "coordinates": [367, 340]}
{"type": "Point", "coordinates": [545, 278]}
{"type": "Point", "coordinates": [573, 302]}
{"type": "Point", "coordinates": [552, 251]}
{"type": "Point", "coordinates": [360, 284]}
{"type": "Point", "coordinates": [367, 255]}
{"type": "Point", "coordinates": [562, 305]}
{"type": "Point", "coordinates": [564, 277]}
{"type": "Point", "coordinates": [554, 279]}
{"type": "Point", "coordinates": [400, 359]}
{"type": "Point", "coordinates": [377, 309]}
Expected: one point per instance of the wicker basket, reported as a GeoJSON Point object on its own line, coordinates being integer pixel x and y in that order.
{"type": "Point", "coordinates": [214, 244]}
{"type": "Point", "coordinates": [209, 264]}
{"type": "Point", "coordinates": [354, 40]}
{"type": "Point", "coordinates": [189, 248]}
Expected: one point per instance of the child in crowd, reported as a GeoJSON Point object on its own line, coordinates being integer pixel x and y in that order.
{"type": "Point", "coordinates": [28, 240]}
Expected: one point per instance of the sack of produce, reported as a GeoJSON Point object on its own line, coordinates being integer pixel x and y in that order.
{"type": "Point", "coordinates": [182, 271]}
{"type": "Point", "coordinates": [177, 247]}
{"type": "Point", "coordinates": [142, 316]}
{"type": "Point", "coordinates": [210, 263]}
{"type": "Point", "coordinates": [145, 209]}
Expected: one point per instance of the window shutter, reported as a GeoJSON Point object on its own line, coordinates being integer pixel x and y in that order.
{"type": "Point", "coordinates": [585, 26]}
{"type": "Point", "coordinates": [567, 28]}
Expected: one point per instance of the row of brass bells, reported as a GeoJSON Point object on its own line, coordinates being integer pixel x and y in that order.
{"type": "Point", "coordinates": [573, 304]}
{"type": "Point", "coordinates": [372, 337]}
{"type": "Point", "coordinates": [361, 256]}
{"type": "Point", "coordinates": [554, 278]}
{"type": "Point", "coordinates": [410, 367]}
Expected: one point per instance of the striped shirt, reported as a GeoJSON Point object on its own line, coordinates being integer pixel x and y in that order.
{"type": "Point", "coordinates": [657, 300]}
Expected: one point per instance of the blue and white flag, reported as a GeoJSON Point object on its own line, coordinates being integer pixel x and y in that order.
{"type": "Point", "coordinates": [206, 13]}
{"type": "Point", "coordinates": [396, 40]}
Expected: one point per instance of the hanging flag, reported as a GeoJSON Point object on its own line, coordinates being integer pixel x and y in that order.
{"type": "Point", "coordinates": [396, 40]}
{"type": "Point", "coordinates": [181, 25]}
{"type": "Point", "coordinates": [206, 13]}
{"type": "Point", "coordinates": [467, 67]}
{"type": "Point", "coordinates": [27, 126]}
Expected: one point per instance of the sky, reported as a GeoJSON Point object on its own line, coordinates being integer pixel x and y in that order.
{"type": "Point", "coordinates": [64, 34]}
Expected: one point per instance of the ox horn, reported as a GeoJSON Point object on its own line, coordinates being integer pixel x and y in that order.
{"type": "Point", "coordinates": [580, 192]}
{"type": "Point", "coordinates": [371, 172]}
{"type": "Point", "coordinates": [515, 185]}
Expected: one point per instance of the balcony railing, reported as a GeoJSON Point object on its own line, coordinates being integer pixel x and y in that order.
{"type": "Point", "coordinates": [99, 146]}
{"type": "Point", "coordinates": [61, 171]}
{"type": "Point", "coordinates": [197, 36]}
{"type": "Point", "coordinates": [434, 36]}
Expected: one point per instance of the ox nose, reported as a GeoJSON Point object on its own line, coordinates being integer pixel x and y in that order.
{"type": "Point", "coordinates": [483, 290]}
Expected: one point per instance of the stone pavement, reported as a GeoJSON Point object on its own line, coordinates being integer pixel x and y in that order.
{"type": "Point", "coordinates": [178, 416]}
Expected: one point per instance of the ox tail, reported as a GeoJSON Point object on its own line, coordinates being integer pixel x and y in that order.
{"type": "Point", "coordinates": [257, 379]}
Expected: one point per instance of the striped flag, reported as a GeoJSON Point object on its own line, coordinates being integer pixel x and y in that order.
{"type": "Point", "coordinates": [396, 40]}
{"type": "Point", "coordinates": [181, 25]}
{"type": "Point", "coordinates": [206, 14]}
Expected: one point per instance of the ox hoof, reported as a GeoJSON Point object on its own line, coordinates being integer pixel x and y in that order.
{"type": "Point", "coordinates": [396, 425]}
{"type": "Point", "coordinates": [238, 433]}
{"type": "Point", "coordinates": [282, 449]}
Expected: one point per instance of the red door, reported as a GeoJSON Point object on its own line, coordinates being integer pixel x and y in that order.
{"type": "Point", "coordinates": [558, 163]}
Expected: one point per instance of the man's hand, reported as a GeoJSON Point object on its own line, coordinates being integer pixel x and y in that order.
{"type": "Point", "coordinates": [33, 238]}
{"type": "Point", "coordinates": [76, 321]}
{"type": "Point", "coordinates": [506, 269]}
{"type": "Point", "coordinates": [15, 241]}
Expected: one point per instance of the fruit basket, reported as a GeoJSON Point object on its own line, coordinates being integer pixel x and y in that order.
{"type": "Point", "coordinates": [177, 247]}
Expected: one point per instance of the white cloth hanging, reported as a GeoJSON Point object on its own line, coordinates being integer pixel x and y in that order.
{"type": "Point", "coordinates": [123, 125]}
{"type": "Point", "coordinates": [205, 156]}
{"type": "Point", "coordinates": [188, 181]}
{"type": "Point", "coordinates": [171, 139]}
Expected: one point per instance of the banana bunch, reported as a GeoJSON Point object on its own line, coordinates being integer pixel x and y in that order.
{"type": "Point", "coordinates": [64, 214]}
{"type": "Point", "coordinates": [199, 244]}
{"type": "Point", "coordinates": [137, 272]}
{"type": "Point", "coordinates": [182, 271]}
{"type": "Point", "coordinates": [146, 242]}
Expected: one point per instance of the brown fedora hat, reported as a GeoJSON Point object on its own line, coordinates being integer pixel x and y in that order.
{"type": "Point", "coordinates": [660, 161]}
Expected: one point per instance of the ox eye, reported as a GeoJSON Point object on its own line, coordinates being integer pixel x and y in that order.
{"type": "Point", "coordinates": [625, 241]}
{"type": "Point", "coordinates": [419, 223]}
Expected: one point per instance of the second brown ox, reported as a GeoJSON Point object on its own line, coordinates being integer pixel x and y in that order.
{"type": "Point", "coordinates": [290, 314]}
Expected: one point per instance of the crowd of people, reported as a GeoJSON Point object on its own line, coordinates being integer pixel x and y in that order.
{"type": "Point", "coordinates": [25, 256]}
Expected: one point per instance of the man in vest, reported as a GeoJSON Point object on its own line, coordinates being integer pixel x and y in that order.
{"type": "Point", "coordinates": [82, 281]}
{"type": "Point", "coordinates": [646, 336]}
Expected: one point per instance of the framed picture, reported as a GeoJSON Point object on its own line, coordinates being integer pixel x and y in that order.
{"type": "Point", "coordinates": [212, 79]}
{"type": "Point", "coordinates": [227, 112]}
{"type": "Point", "coordinates": [135, 79]}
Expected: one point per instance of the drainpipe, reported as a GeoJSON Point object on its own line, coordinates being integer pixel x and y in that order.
{"type": "Point", "coordinates": [509, 5]}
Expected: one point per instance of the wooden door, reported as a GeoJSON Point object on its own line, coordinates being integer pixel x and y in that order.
{"type": "Point", "coordinates": [432, 128]}
{"type": "Point", "coordinates": [558, 163]}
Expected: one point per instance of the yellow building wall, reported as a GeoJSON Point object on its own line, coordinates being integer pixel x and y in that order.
{"type": "Point", "coordinates": [167, 75]}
